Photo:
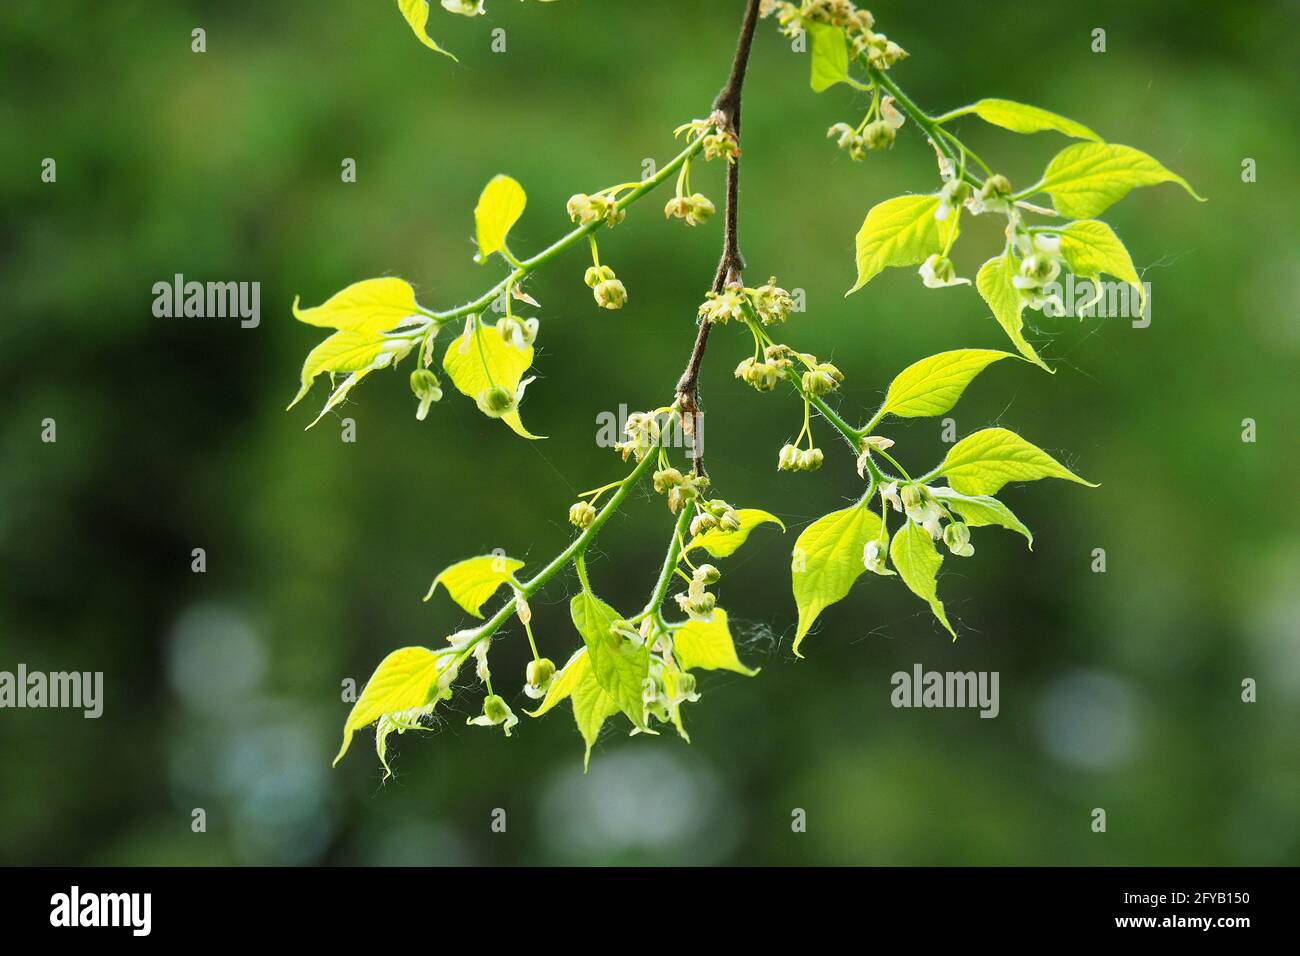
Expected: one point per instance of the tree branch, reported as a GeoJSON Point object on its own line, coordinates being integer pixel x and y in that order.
{"type": "Point", "coordinates": [732, 264]}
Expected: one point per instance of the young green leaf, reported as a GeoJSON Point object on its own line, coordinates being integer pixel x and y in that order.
{"type": "Point", "coordinates": [480, 359]}
{"type": "Point", "coordinates": [416, 13]}
{"type": "Point", "coordinates": [900, 232]}
{"type": "Point", "coordinates": [914, 555]}
{"type": "Point", "coordinates": [980, 464]}
{"type": "Point", "coordinates": [708, 646]}
{"type": "Point", "coordinates": [406, 679]}
{"type": "Point", "coordinates": [499, 207]}
{"type": "Point", "coordinates": [577, 683]}
{"type": "Point", "coordinates": [994, 284]}
{"type": "Point", "coordinates": [1091, 248]}
{"type": "Point", "coordinates": [1021, 118]}
{"type": "Point", "coordinates": [474, 580]}
{"type": "Point", "coordinates": [369, 306]}
{"type": "Point", "coordinates": [829, 55]}
{"type": "Point", "coordinates": [620, 665]}
{"type": "Point", "coordinates": [342, 352]}
{"type": "Point", "coordinates": [722, 544]}
{"type": "Point", "coordinates": [1086, 178]}
{"type": "Point", "coordinates": [980, 511]}
{"type": "Point", "coordinates": [826, 560]}
{"type": "Point", "coordinates": [933, 385]}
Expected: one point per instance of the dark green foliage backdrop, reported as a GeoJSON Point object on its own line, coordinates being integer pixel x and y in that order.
{"type": "Point", "coordinates": [1119, 690]}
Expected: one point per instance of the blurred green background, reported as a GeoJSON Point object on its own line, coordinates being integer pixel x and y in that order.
{"type": "Point", "coordinates": [1118, 690]}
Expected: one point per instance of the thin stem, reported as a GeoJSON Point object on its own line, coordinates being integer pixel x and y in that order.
{"type": "Point", "coordinates": [851, 435]}
{"type": "Point", "coordinates": [922, 119]}
{"type": "Point", "coordinates": [660, 592]}
{"type": "Point", "coordinates": [565, 242]}
{"type": "Point", "coordinates": [573, 552]}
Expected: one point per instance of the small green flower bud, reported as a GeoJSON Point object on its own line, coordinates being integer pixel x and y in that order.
{"type": "Point", "coordinates": [822, 379]}
{"type": "Point", "coordinates": [812, 459]}
{"type": "Point", "coordinates": [955, 192]}
{"type": "Point", "coordinates": [495, 708]}
{"type": "Point", "coordinates": [610, 294]}
{"type": "Point", "coordinates": [540, 673]}
{"type": "Point", "coordinates": [1040, 268]}
{"type": "Point", "coordinates": [879, 135]}
{"type": "Point", "coordinates": [914, 497]}
{"type": "Point", "coordinates": [685, 685]}
{"type": "Point", "coordinates": [707, 574]}
{"type": "Point", "coordinates": [729, 522]}
{"type": "Point", "coordinates": [996, 186]}
{"type": "Point", "coordinates": [703, 522]}
{"type": "Point", "coordinates": [956, 535]}
{"type": "Point", "coordinates": [595, 275]}
{"type": "Point", "coordinates": [427, 389]}
{"type": "Point", "coordinates": [666, 478]}
{"type": "Point", "coordinates": [582, 514]}
{"type": "Point", "coordinates": [701, 208]}
{"type": "Point", "coordinates": [788, 458]}
{"type": "Point", "coordinates": [495, 401]}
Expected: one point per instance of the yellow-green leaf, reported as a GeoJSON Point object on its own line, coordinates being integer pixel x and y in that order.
{"type": "Point", "coordinates": [994, 284]}
{"type": "Point", "coordinates": [406, 679]}
{"type": "Point", "coordinates": [708, 646]}
{"type": "Point", "coordinates": [1092, 248]}
{"type": "Point", "coordinates": [722, 544]}
{"type": "Point", "coordinates": [576, 682]}
{"type": "Point", "coordinates": [980, 511]}
{"type": "Point", "coordinates": [1022, 118]}
{"type": "Point", "coordinates": [1085, 178]}
{"type": "Point", "coordinates": [933, 385]}
{"type": "Point", "coordinates": [369, 306]}
{"type": "Point", "coordinates": [474, 580]}
{"type": "Point", "coordinates": [900, 232]}
{"type": "Point", "coordinates": [343, 351]}
{"type": "Point", "coordinates": [980, 464]}
{"type": "Point", "coordinates": [499, 207]}
{"type": "Point", "coordinates": [620, 665]}
{"type": "Point", "coordinates": [416, 13]}
{"type": "Point", "coordinates": [917, 561]}
{"type": "Point", "coordinates": [829, 52]}
{"type": "Point", "coordinates": [826, 560]}
{"type": "Point", "coordinates": [479, 358]}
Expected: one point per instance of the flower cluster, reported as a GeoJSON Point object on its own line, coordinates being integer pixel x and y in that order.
{"type": "Point", "coordinates": [606, 288]}
{"type": "Point", "coordinates": [821, 377]}
{"type": "Point", "coordinates": [876, 49]}
{"type": "Point", "coordinates": [794, 458]}
{"type": "Point", "coordinates": [715, 513]}
{"type": "Point", "coordinates": [923, 506]}
{"type": "Point", "coordinates": [763, 376]}
{"type": "Point", "coordinates": [719, 141]}
{"type": "Point", "coordinates": [695, 208]}
{"type": "Point", "coordinates": [768, 303]}
{"type": "Point", "coordinates": [873, 133]}
{"type": "Point", "coordinates": [680, 488]}
{"type": "Point", "coordinates": [642, 430]}
{"type": "Point", "coordinates": [600, 207]}
{"type": "Point", "coordinates": [695, 601]}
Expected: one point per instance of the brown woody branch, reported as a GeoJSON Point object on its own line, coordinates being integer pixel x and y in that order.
{"type": "Point", "coordinates": [732, 264]}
